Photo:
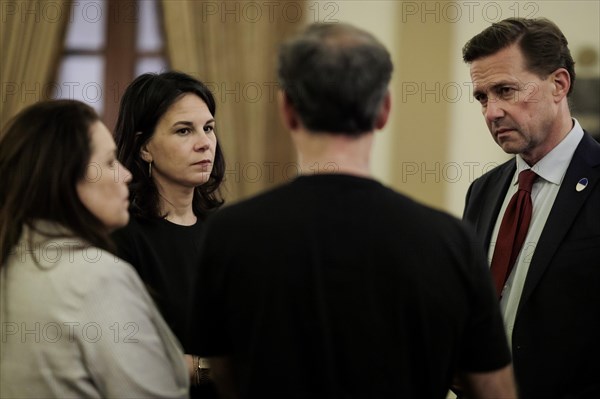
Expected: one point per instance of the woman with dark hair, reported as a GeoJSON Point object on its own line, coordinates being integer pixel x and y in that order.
{"type": "Point", "coordinates": [166, 136]}
{"type": "Point", "coordinates": [76, 320]}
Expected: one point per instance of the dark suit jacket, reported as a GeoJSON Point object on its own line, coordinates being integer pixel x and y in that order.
{"type": "Point", "coordinates": [556, 336]}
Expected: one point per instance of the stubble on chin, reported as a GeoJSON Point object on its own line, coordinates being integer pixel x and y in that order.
{"type": "Point", "coordinates": [515, 143]}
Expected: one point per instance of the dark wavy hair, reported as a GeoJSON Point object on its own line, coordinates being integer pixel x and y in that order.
{"type": "Point", "coordinates": [544, 46]}
{"type": "Point", "coordinates": [336, 76]}
{"type": "Point", "coordinates": [145, 101]}
{"type": "Point", "coordinates": [44, 152]}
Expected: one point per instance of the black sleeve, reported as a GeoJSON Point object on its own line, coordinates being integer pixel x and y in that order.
{"type": "Point", "coordinates": [485, 347]}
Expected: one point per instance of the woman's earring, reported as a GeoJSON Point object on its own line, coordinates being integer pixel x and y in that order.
{"type": "Point", "coordinates": [150, 169]}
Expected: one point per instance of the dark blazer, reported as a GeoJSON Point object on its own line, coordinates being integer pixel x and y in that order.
{"type": "Point", "coordinates": [556, 336]}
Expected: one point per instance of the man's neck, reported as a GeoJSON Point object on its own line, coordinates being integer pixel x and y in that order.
{"type": "Point", "coordinates": [329, 153]}
{"type": "Point", "coordinates": [559, 129]}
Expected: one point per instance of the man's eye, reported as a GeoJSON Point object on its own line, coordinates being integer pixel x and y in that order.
{"type": "Point", "coordinates": [506, 91]}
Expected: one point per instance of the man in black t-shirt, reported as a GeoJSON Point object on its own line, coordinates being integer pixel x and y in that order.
{"type": "Point", "coordinates": [334, 286]}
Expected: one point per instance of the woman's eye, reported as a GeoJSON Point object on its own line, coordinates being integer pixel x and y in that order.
{"type": "Point", "coordinates": [209, 128]}
{"type": "Point", "coordinates": [185, 130]}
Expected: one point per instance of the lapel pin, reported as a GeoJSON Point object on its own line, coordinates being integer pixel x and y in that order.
{"type": "Point", "coordinates": [581, 184]}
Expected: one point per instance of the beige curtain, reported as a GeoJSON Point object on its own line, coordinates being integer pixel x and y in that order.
{"type": "Point", "coordinates": [31, 40]}
{"type": "Point", "coordinates": [232, 46]}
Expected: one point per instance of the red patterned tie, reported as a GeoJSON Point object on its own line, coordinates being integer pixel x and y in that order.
{"type": "Point", "coordinates": [513, 230]}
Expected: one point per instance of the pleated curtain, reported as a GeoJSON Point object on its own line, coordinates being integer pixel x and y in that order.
{"type": "Point", "coordinates": [232, 47]}
{"type": "Point", "coordinates": [31, 41]}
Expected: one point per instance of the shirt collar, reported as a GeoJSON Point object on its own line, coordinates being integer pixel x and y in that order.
{"type": "Point", "coordinates": [553, 166]}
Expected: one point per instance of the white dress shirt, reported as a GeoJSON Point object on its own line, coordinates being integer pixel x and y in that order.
{"type": "Point", "coordinates": [551, 170]}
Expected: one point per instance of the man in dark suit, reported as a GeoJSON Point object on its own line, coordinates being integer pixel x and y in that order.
{"type": "Point", "coordinates": [334, 286]}
{"type": "Point", "coordinates": [522, 74]}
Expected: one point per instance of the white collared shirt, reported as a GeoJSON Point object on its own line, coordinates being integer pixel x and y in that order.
{"type": "Point", "coordinates": [551, 170]}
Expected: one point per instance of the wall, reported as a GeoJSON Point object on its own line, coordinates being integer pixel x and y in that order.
{"type": "Point", "coordinates": [437, 141]}
{"type": "Point", "coordinates": [470, 141]}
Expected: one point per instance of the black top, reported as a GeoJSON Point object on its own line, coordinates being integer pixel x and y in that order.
{"type": "Point", "coordinates": [335, 286]}
{"type": "Point", "coordinates": [166, 256]}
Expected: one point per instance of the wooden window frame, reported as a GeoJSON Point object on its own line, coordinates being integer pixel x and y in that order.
{"type": "Point", "coordinates": [119, 53]}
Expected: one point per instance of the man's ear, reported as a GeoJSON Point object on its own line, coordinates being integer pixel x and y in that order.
{"type": "Point", "coordinates": [288, 114]}
{"type": "Point", "coordinates": [562, 83]}
{"type": "Point", "coordinates": [384, 111]}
